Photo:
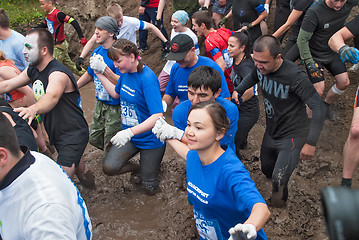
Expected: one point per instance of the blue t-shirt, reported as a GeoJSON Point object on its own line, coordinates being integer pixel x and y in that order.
{"type": "Point", "coordinates": [100, 91]}
{"type": "Point", "coordinates": [12, 48]}
{"type": "Point", "coordinates": [177, 84]}
{"type": "Point", "coordinates": [140, 97]}
{"type": "Point", "coordinates": [222, 193]}
{"type": "Point", "coordinates": [180, 113]}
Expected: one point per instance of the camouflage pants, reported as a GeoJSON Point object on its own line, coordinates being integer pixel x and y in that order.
{"type": "Point", "coordinates": [106, 122]}
{"type": "Point", "coordinates": [62, 55]}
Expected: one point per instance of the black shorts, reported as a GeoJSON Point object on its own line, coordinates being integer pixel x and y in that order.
{"type": "Point", "coordinates": [335, 67]}
{"type": "Point", "coordinates": [69, 154]}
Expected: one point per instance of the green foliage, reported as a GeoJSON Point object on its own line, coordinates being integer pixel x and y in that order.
{"type": "Point", "coordinates": [22, 11]}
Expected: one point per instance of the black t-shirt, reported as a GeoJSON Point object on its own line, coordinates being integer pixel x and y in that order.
{"type": "Point", "coordinates": [323, 22]}
{"type": "Point", "coordinates": [239, 71]}
{"type": "Point", "coordinates": [285, 92]}
{"type": "Point", "coordinates": [64, 123]}
{"type": "Point", "coordinates": [244, 11]}
{"type": "Point", "coordinates": [24, 134]}
{"type": "Point", "coordinates": [353, 26]}
{"type": "Point", "coordinates": [300, 5]}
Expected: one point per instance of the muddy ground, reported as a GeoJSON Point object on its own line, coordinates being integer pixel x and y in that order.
{"type": "Point", "coordinates": [120, 210]}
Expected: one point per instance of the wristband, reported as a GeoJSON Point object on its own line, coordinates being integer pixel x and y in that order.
{"type": "Point", "coordinates": [250, 25]}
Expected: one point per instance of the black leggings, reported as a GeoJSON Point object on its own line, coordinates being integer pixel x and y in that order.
{"type": "Point", "coordinates": [279, 159]}
{"type": "Point", "coordinates": [150, 162]}
{"type": "Point", "coordinates": [246, 121]}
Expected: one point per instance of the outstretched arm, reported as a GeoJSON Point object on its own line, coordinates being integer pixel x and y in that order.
{"type": "Point", "coordinates": [88, 46]}
{"type": "Point", "coordinates": [180, 148]}
{"type": "Point", "coordinates": [338, 39]}
{"type": "Point", "coordinates": [155, 30]}
{"type": "Point", "coordinates": [292, 18]}
{"type": "Point", "coordinates": [17, 81]}
{"type": "Point", "coordinates": [58, 84]}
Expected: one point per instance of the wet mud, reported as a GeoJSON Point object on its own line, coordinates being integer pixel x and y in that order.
{"type": "Point", "coordinates": [118, 207]}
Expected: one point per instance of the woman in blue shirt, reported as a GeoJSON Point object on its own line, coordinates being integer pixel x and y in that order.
{"type": "Point", "coordinates": [225, 201]}
{"type": "Point", "coordinates": [141, 105]}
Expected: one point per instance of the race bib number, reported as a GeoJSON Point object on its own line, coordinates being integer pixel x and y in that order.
{"type": "Point", "coordinates": [227, 59]}
{"type": "Point", "coordinates": [100, 91]}
{"type": "Point", "coordinates": [50, 26]}
{"type": "Point", "coordinates": [129, 114]}
{"type": "Point", "coordinates": [207, 228]}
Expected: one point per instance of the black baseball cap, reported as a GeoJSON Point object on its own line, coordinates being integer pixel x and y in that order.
{"type": "Point", "coordinates": [180, 46]}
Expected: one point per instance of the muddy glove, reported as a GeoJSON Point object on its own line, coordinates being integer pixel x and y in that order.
{"type": "Point", "coordinates": [349, 54]}
{"type": "Point", "coordinates": [158, 23]}
{"type": "Point", "coordinates": [243, 232]}
{"type": "Point", "coordinates": [122, 137]}
{"type": "Point", "coordinates": [314, 72]}
{"type": "Point", "coordinates": [222, 22]}
{"type": "Point", "coordinates": [97, 63]}
{"type": "Point", "coordinates": [83, 41]}
{"type": "Point", "coordinates": [79, 63]}
{"type": "Point", "coordinates": [164, 131]}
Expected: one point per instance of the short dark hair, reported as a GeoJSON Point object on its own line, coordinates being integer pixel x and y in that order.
{"type": "Point", "coordinates": [203, 16]}
{"type": "Point", "coordinates": [216, 112]}
{"type": "Point", "coordinates": [8, 137]}
{"type": "Point", "coordinates": [4, 19]}
{"type": "Point", "coordinates": [205, 77]}
{"type": "Point", "coordinates": [44, 39]}
{"type": "Point", "coordinates": [267, 42]}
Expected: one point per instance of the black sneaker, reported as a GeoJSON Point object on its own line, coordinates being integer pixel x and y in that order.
{"type": "Point", "coordinates": [142, 49]}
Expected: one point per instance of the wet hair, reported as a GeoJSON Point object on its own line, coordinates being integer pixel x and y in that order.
{"type": "Point", "coordinates": [267, 42]}
{"type": "Point", "coordinates": [243, 40]}
{"type": "Point", "coordinates": [8, 137]}
{"type": "Point", "coordinates": [114, 10]}
{"type": "Point", "coordinates": [216, 112]}
{"type": "Point", "coordinates": [4, 19]}
{"type": "Point", "coordinates": [206, 78]}
{"type": "Point", "coordinates": [203, 16]}
{"type": "Point", "coordinates": [125, 47]}
{"type": "Point", "coordinates": [44, 39]}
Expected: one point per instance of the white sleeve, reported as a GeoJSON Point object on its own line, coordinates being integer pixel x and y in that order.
{"type": "Point", "coordinates": [51, 221]}
{"type": "Point", "coordinates": [136, 23]}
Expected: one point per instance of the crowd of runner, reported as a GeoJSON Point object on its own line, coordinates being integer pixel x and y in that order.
{"type": "Point", "coordinates": [213, 99]}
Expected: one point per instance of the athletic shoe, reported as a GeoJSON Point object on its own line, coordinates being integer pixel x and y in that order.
{"type": "Point", "coordinates": [142, 49]}
{"type": "Point", "coordinates": [354, 68]}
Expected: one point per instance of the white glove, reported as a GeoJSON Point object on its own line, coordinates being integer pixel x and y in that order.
{"type": "Point", "coordinates": [243, 231]}
{"type": "Point", "coordinates": [164, 131]}
{"type": "Point", "coordinates": [122, 137]}
{"type": "Point", "coordinates": [266, 7]}
{"type": "Point", "coordinates": [97, 63]}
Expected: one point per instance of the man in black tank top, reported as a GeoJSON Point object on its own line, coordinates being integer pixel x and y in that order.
{"type": "Point", "coordinates": [58, 101]}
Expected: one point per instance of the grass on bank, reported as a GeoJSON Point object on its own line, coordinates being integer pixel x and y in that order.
{"type": "Point", "coordinates": [22, 11]}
